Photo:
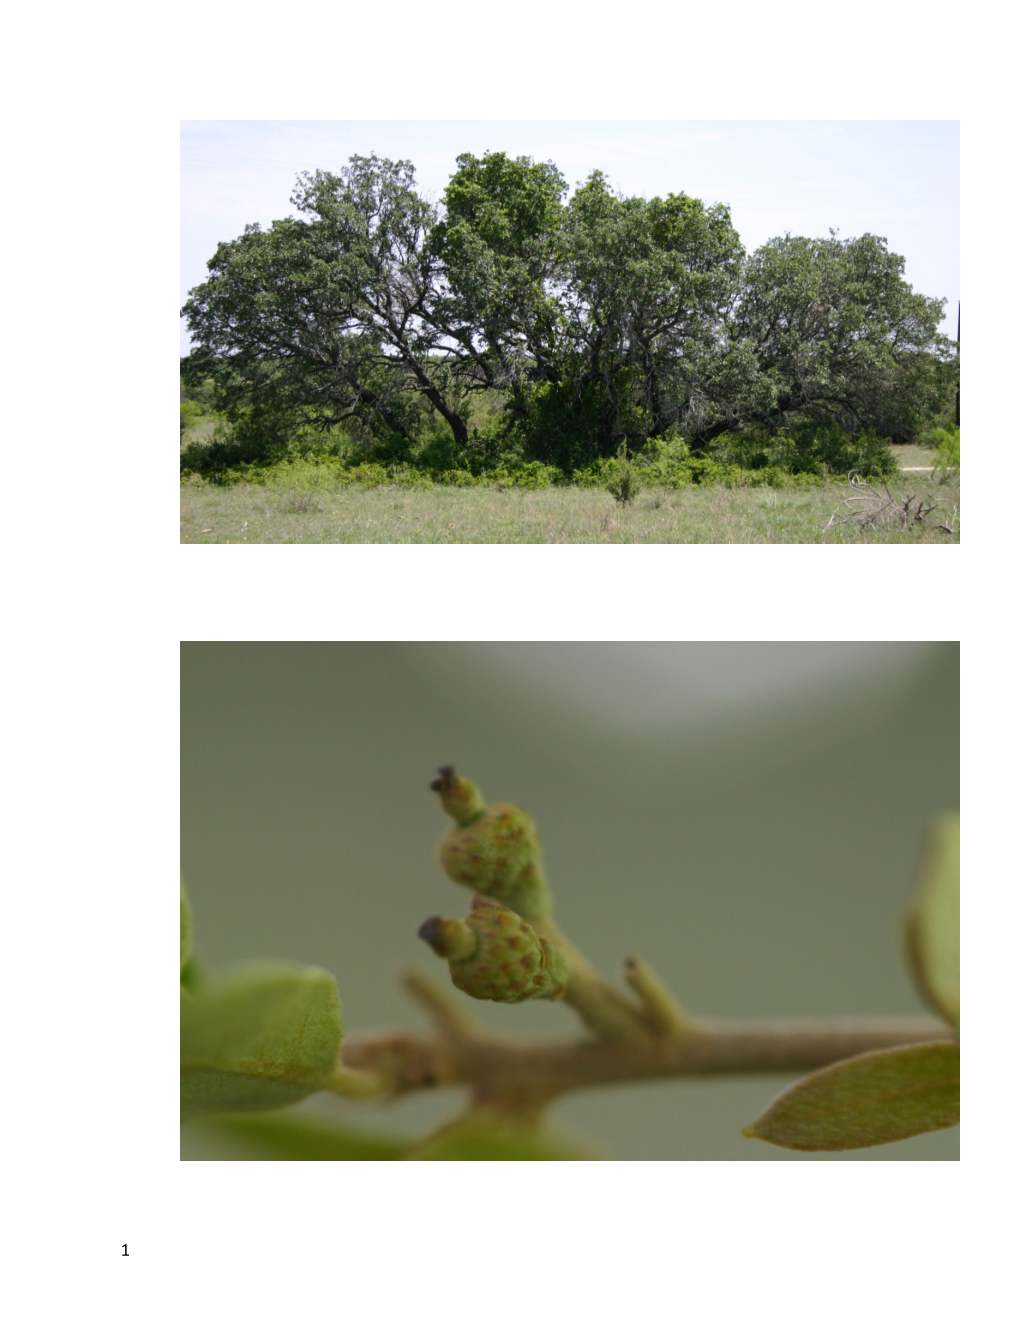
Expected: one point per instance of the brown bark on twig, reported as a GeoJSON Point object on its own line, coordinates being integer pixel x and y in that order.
{"type": "Point", "coordinates": [524, 1076]}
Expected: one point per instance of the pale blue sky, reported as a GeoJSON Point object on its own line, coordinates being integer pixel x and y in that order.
{"type": "Point", "coordinates": [896, 178]}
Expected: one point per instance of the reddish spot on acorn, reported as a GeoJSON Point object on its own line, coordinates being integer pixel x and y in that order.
{"type": "Point", "coordinates": [495, 954]}
{"type": "Point", "coordinates": [493, 850]}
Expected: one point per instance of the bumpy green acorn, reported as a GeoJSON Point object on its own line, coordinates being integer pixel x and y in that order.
{"type": "Point", "coordinates": [497, 955]}
{"type": "Point", "coordinates": [493, 850]}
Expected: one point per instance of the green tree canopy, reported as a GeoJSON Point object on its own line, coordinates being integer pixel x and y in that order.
{"type": "Point", "coordinates": [498, 245]}
{"type": "Point", "coordinates": [332, 313]}
{"type": "Point", "coordinates": [838, 334]}
{"type": "Point", "coordinates": [645, 288]}
{"type": "Point", "coordinates": [594, 321]}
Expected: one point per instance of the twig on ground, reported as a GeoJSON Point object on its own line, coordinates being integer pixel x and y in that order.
{"type": "Point", "coordinates": [952, 522]}
{"type": "Point", "coordinates": [874, 506]}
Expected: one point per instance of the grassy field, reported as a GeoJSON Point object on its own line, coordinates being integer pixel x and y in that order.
{"type": "Point", "coordinates": [914, 456]}
{"type": "Point", "coordinates": [246, 514]}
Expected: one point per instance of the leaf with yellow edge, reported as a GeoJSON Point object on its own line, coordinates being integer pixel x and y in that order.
{"type": "Point", "coordinates": [933, 920]}
{"type": "Point", "coordinates": [260, 1036]}
{"type": "Point", "coordinates": [869, 1100]}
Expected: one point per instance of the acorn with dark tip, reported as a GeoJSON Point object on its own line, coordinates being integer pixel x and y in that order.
{"type": "Point", "coordinates": [493, 850]}
{"type": "Point", "coordinates": [495, 954]}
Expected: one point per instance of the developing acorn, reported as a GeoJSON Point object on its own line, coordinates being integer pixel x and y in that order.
{"type": "Point", "coordinates": [493, 850]}
{"type": "Point", "coordinates": [494, 954]}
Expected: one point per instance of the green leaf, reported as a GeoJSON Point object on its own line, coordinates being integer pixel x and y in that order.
{"type": "Point", "coordinates": [186, 929]}
{"type": "Point", "coordinates": [472, 1138]}
{"type": "Point", "coordinates": [869, 1100]}
{"type": "Point", "coordinates": [262, 1035]}
{"type": "Point", "coordinates": [300, 1137]}
{"type": "Point", "coordinates": [933, 921]}
{"type": "Point", "coordinates": [193, 977]}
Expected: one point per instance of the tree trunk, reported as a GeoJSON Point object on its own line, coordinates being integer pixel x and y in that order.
{"type": "Point", "coordinates": [457, 424]}
{"type": "Point", "coordinates": [434, 395]}
{"type": "Point", "coordinates": [700, 440]}
{"type": "Point", "coordinates": [373, 401]}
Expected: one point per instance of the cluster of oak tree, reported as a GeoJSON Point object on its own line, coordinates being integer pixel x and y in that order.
{"type": "Point", "coordinates": [581, 323]}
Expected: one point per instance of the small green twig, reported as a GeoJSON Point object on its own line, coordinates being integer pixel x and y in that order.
{"type": "Point", "coordinates": [447, 1012]}
{"type": "Point", "coordinates": [599, 1005]}
{"type": "Point", "coordinates": [662, 1013]}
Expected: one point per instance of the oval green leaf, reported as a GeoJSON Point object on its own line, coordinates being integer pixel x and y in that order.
{"type": "Point", "coordinates": [301, 1137]}
{"type": "Point", "coordinates": [186, 929]}
{"type": "Point", "coordinates": [869, 1100]}
{"type": "Point", "coordinates": [933, 920]}
{"type": "Point", "coordinates": [260, 1036]}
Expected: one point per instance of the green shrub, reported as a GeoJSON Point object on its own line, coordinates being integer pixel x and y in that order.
{"type": "Point", "coordinates": [190, 414]}
{"type": "Point", "coordinates": [806, 447]}
{"type": "Point", "coordinates": [671, 448]}
{"type": "Point", "coordinates": [250, 441]}
{"type": "Point", "coordinates": [527, 476]}
{"type": "Point", "coordinates": [283, 452]}
{"type": "Point", "coordinates": [257, 440]}
{"type": "Point", "coordinates": [328, 473]}
{"type": "Point", "coordinates": [945, 440]}
{"type": "Point", "coordinates": [436, 451]}
{"type": "Point", "coordinates": [591, 477]}
{"type": "Point", "coordinates": [776, 476]}
{"type": "Point", "coordinates": [456, 477]}
{"type": "Point", "coordinates": [866, 454]}
{"type": "Point", "coordinates": [706, 472]}
{"type": "Point", "coordinates": [623, 481]}
{"type": "Point", "coordinates": [203, 391]}
{"type": "Point", "coordinates": [660, 462]}
{"type": "Point", "coordinates": [368, 475]}
{"type": "Point", "coordinates": [405, 475]}
{"type": "Point", "coordinates": [750, 449]}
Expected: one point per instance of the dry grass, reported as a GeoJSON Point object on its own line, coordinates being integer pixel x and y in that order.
{"type": "Point", "coordinates": [713, 514]}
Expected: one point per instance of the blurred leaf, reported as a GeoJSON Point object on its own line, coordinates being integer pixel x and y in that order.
{"type": "Point", "coordinates": [300, 1137]}
{"type": "Point", "coordinates": [933, 921]}
{"type": "Point", "coordinates": [474, 1138]}
{"type": "Point", "coordinates": [186, 929]}
{"type": "Point", "coordinates": [263, 1035]}
{"type": "Point", "coordinates": [869, 1100]}
{"type": "Point", "coordinates": [193, 977]}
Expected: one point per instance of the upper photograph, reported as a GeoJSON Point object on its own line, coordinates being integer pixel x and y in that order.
{"type": "Point", "coordinates": [570, 332]}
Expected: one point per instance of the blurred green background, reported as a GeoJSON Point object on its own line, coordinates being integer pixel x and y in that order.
{"type": "Point", "coordinates": [746, 816]}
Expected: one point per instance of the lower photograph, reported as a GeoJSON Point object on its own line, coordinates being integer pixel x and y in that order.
{"type": "Point", "coordinates": [570, 901]}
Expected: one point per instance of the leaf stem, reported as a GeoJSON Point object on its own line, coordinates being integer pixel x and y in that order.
{"type": "Point", "coordinates": [359, 1084]}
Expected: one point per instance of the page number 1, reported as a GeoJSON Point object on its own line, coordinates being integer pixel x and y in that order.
{"type": "Point", "coordinates": [125, 1248]}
